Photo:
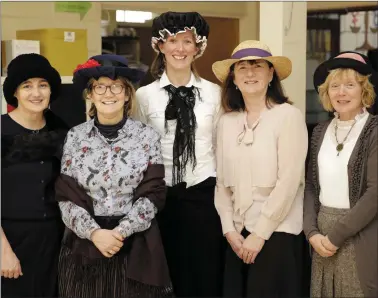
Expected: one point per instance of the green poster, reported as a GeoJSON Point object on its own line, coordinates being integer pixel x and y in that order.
{"type": "Point", "coordinates": [76, 7]}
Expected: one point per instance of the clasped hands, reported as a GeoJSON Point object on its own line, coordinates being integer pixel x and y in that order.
{"type": "Point", "coordinates": [108, 242]}
{"type": "Point", "coordinates": [322, 245]}
{"type": "Point", "coordinates": [246, 249]}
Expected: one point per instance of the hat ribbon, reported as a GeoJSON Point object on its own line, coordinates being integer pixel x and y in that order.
{"type": "Point", "coordinates": [250, 52]}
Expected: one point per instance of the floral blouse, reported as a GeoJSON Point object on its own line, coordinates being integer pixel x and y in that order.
{"type": "Point", "coordinates": [109, 173]}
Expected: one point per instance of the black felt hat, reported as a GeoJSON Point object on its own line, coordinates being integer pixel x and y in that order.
{"type": "Point", "coordinates": [28, 66]}
{"type": "Point", "coordinates": [177, 22]}
{"type": "Point", "coordinates": [347, 59]}
{"type": "Point", "coordinates": [107, 65]}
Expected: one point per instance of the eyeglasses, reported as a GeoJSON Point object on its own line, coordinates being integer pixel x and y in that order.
{"type": "Point", "coordinates": [115, 89]}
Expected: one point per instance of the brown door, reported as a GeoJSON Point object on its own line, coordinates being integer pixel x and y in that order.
{"type": "Point", "coordinates": [223, 38]}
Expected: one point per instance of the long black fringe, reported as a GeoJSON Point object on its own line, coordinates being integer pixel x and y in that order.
{"type": "Point", "coordinates": [103, 278]}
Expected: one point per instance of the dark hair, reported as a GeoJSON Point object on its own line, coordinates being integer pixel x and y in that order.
{"type": "Point", "coordinates": [232, 98]}
{"type": "Point", "coordinates": [158, 65]}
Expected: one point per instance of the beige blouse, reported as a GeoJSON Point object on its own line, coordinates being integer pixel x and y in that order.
{"type": "Point", "coordinates": [260, 171]}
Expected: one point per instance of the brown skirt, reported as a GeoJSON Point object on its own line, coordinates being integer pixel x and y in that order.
{"type": "Point", "coordinates": [335, 276]}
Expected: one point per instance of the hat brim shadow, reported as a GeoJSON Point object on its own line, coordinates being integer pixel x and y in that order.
{"type": "Point", "coordinates": [82, 76]}
{"type": "Point", "coordinates": [282, 66]}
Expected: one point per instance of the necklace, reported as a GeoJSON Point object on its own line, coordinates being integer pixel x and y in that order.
{"type": "Point", "coordinates": [340, 146]}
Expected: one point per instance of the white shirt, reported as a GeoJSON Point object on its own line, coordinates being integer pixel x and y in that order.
{"type": "Point", "coordinates": [151, 103]}
{"type": "Point", "coordinates": [333, 169]}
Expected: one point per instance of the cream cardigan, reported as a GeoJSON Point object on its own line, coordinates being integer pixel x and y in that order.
{"type": "Point", "coordinates": [260, 171]}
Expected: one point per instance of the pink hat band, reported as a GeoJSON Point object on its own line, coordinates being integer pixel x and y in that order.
{"type": "Point", "coordinates": [353, 56]}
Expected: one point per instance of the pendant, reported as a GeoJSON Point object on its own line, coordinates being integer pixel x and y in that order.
{"type": "Point", "coordinates": [339, 147]}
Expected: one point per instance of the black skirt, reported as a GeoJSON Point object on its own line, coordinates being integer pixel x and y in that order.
{"type": "Point", "coordinates": [277, 271]}
{"type": "Point", "coordinates": [37, 245]}
{"type": "Point", "coordinates": [193, 241]}
{"type": "Point", "coordinates": [102, 277]}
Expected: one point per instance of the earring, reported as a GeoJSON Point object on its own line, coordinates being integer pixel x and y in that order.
{"type": "Point", "coordinates": [236, 87]}
{"type": "Point", "coordinates": [269, 84]}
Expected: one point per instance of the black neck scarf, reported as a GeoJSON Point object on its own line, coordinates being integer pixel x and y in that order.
{"type": "Point", "coordinates": [181, 107]}
{"type": "Point", "coordinates": [110, 131]}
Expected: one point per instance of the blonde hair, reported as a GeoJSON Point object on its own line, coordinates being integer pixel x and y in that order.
{"type": "Point", "coordinates": [129, 92]}
{"type": "Point", "coordinates": [368, 93]}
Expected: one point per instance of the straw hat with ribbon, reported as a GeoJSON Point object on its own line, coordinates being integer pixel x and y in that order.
{"type": "Point", "coordinates": [253, 50]}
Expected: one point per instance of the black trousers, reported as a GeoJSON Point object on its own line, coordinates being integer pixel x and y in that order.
{"type": "Point", "coordinates": [193, 241]}
{"type": "Point", "coordinates": [277, 271]}
{"type": "Point", "coordinates": [37, 245]}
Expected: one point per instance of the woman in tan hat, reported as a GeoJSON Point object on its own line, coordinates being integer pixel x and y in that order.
{"type": "Point", "coordinates": [261, 151]}
{"type": "Point", "coordinates": [340, 207]}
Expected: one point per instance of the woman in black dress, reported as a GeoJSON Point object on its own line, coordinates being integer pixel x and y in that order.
{"type": "Point", "coordinates": [32, 138]}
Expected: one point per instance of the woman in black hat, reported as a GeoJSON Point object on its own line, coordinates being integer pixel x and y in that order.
{"type": "Point", "coordinates": [110, 188]}
{"type": "Point", "coordinates": [340, 209]}
{"type": "Point", "coordinates": [32, 138]}
{"type": "Point", "coordinates": [184, 108]}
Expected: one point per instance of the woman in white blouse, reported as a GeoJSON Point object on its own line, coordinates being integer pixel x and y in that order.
{"type": "Point", "coordinates": [261, 151]}
{"type": "Point", "coordinates": [340, 210]}
{"type": "Point", "coordinates": [183, 107]}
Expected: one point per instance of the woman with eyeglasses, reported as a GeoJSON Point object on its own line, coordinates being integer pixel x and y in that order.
{"type": "Point", "coordinates": [110, 188]}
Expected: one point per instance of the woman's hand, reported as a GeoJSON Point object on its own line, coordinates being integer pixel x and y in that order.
{"type": "Point", "coordinates": [316, 242]}
{"type": "Point", "coordinates": [236, 241]}
{"type": "Point", "coordinates": [10, 264]}
{"type": "Point", "coordinates": [251, 248]}
{"type": "Point", "coordinates": [108, 242]}
{"type": "Point", "coordinates": [328, 244]}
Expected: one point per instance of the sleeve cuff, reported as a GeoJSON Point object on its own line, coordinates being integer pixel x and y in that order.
{"type": "Point", "coordinates": [265, 227]}
{"type": "Point", "coordinates": [312, 233]}
{"type": "Point", "coordinates": [124, 228]}
{"type": "Point", "coordinates": [335, 238]}
{"type": "Point", "coordinates": [90, 231]}
{"type": "Point", "coordinates": [227, 223]}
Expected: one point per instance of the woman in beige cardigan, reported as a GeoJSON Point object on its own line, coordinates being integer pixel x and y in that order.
{"type": "Point", "coordinates": [261, 150]}
{"type": "Point", "coordinates": [340, 210]}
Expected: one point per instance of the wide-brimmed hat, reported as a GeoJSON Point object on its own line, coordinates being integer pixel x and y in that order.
{"type": "Point", "coordinates": [252, 50]}
{"type": "Point", "coordinates": [107, 65]}
{"type": "Point", "coordinates": [28, 66]}
{"type": "Point", "coordinates": [347, 59]}
{"type": "Point", "coordinates": [171, 23]}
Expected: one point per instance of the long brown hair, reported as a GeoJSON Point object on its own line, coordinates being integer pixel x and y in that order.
{"type": "Point", "coordinates": [232, 98]}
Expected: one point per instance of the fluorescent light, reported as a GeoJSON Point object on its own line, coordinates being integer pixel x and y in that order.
{"type": "Point", "coordinates": [120, 15]}
{"type": "Point", "coordinates": [137, 16]}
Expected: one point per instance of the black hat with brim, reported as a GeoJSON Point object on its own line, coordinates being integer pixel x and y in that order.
{"type": "Point", "coordinates": [322, 71]}
{"type": "Point", "coordinates": [108, 65]}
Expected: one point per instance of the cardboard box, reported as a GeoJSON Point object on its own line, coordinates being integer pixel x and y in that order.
{"type": "Point", "coordinates": [10, 49]}
{"type": "Point", "coordinates": [64, 48]}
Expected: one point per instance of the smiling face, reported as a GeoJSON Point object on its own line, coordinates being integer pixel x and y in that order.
{"type": "Point", "coordinates": [109, 97]}
{"type": "Point", "coordinates": [345, 93]}
{"type": "Point", "coordinates": [33, 95]}
{"type": "Point", "coordinates": [253, 76]}
{"type": "Point", "coordinates": [179, 50]}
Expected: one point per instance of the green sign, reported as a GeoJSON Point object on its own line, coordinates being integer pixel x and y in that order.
{"type": "Point", "coordinates": [76, 7]}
